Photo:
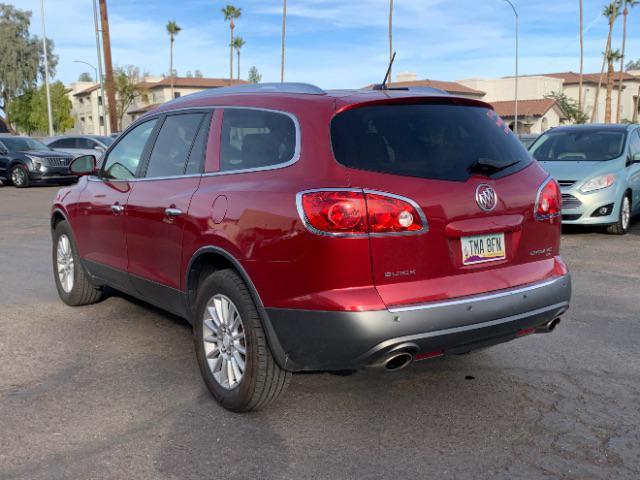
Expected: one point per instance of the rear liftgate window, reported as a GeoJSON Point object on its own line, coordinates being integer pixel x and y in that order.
{"type": "Point", "coordinates": [435, 141]}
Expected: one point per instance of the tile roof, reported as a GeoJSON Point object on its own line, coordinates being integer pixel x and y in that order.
{"type": "Point", "coordinates": [526, 108]}
{"type": "Point", "coordinates": [450, 87]}
{"type": "Point", "coordinates": [87, 91]}
{"type": "Point", "coordinates": [192, 82]}
{"type": "Point", "coordinates": [143, 109]}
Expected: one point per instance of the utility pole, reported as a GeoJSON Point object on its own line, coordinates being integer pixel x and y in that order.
{"type": "Point", "coordinates": [46, 70]}
{"type": "Point", "coordinates": [106, 45]}
{"type": "Point", "coordinates": [102, 128]}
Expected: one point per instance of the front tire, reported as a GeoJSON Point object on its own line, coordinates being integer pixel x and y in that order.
{"type": "Point", "coordinates": [72, 281]}
{"type": "Point", "coordinates": [621, 227]}
{"type": "Point", "coordinates": [19, 177]}
{"type": "Point", "coordinates": [231, 347]}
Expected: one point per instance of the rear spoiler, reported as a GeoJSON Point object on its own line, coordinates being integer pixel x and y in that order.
{"type": "Point", "coordinates": [412, 99]}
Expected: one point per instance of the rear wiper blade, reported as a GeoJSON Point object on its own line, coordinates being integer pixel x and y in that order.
{"type": "Point", "coordinates": [489, 166]}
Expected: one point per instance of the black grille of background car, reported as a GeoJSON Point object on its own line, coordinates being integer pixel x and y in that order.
{"type": "Point", "coordinates": [569, 201]}
{"type": "Point", "coordinates": [571, 217]}
{"type": "Point", "coordinates": [57, 161]}
{"type": "Point", "coordinates": [566, 183]}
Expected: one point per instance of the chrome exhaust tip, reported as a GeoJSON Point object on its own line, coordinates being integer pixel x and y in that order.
{"type": "Point", "coordinates": [398, 361]}
{"type": "Point", "coordinates": [549, 326]}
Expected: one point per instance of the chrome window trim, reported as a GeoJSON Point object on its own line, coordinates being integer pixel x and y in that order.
{"type": "Point", "coordinates": [478, 298]}
{"type": "Point", "coordinates": [294, 159]}
{"type": "Point", "coordinates": [312, 229]}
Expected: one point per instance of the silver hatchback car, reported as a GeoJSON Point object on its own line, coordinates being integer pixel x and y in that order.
{"type": "Point", "coordinates": [598, 169]}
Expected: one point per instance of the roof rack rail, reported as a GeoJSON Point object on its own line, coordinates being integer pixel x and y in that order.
{"type": "Point", "coordinates": [303, 88]}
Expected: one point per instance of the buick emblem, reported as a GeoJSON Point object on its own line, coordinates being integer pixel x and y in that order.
{"type": "Point", "coordinates": [486, 197]}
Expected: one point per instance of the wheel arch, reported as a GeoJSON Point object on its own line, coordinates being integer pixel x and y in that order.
{"type": "Point", "coordinates": [209, 259]}
{"type": "Point", "coordinates": [57, 216]}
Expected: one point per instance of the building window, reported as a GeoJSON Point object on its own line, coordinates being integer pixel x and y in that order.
{"type": "Point", "coordinates": [101, 121]}
{"type": "Point", "coordinates": [81, 100]}
{"type": "Point", "coordinates": [82, 119]}
{"type": "Point", "coordinates": [176, 94]}
{"type": "Point", "coordinates": [545, 124]}
{"type": "Point", "coordinates": [99, 99]}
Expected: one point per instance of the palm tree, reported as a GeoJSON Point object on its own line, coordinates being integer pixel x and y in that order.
{"type": "Point", "coordinates": [284, 30]}
{"type": "Point", "coordinates": [612, 57]}
{"type": "Point", "coordinates": [390, 37]}
{"type": "Point", "coordinates": [238, 43]}
{"type": "Point", "coordinates": [581, 63]}
{"type": "Point", "coordinates": [611, 13]}
{"type": "Point", "coordinates": [625, 13]}
{"type": "Point", "coordinates": [172, 29]}
{"type": "Point", "coordinates": [230, 14]}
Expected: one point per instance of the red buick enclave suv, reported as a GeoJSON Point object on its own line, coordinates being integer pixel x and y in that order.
{"type": "Point", "coordinates": [299, 229]}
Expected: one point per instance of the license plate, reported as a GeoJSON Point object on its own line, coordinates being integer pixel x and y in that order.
{"type": "Point", "coordinates": [483, 248]}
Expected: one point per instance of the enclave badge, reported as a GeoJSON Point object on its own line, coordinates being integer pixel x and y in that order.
{"type": "Point", "coordinates": [486, 197]}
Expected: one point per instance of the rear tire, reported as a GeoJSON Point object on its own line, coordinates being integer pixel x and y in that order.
{"type": "Point", "coordinates": [234, 341]}
{"type": "Point", "coordinates": [621, 227]}
{"type": "Point", "coordinates": [72, 281]}
{"type": "Point", "coordinates": [19, 177]}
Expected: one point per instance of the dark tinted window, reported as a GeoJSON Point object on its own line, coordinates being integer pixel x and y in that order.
{"type": "Point", "coordinates": [579, 145]}
{"type": "Point", "coordinates": [122, 162]}
{"type": "Point", "coordinates": [436, 141]}
{"type": "Point", "coordinates": [196, 157]}
{"type": "Point", "coordinates": [64, 143]}
{"type": "Point", "coordinates": [255, 139]}
{"type": "Point", "coordinates": [171, 150]}
{"type": "Point", "coordinates": [23, 144]}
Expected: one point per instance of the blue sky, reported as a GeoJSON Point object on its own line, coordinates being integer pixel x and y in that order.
{"type": "Point", "coordinates": [337, 43]}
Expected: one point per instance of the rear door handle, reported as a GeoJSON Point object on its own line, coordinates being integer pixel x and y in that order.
{"type": "Point", "coordinates": [117, 209]}
{"type": "Point", "coordinates": [172, 212]}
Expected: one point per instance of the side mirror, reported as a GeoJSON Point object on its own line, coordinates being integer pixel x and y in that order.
{"type": "Point", "coordinates": [83, 165]}
{"type": "Point", "coordinates": [635, 158]}
{"type": "Point", "coordinates": [99, 148]}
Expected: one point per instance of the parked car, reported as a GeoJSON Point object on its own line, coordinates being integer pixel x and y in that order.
{"type": "Point", "coordinates": [304, 230]}
{"type": "Point", "coordinates": [598, 169]}
{"type": "Point", "coordinates": [528, 138]}
{"type": "Point", "coordinates": [24, 161]}
{"type": "Point", "coordinates": [80, 144]}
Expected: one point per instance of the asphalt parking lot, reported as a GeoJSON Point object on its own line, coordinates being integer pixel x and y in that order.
{"type": "Point", "coordinates": [113, 391]}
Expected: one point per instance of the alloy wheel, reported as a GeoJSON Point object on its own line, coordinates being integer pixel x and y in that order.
{"type": "Point", "coordinates": [625, 214]}
{"type": "Point", "coordinates": [18, 176]}
{"type": "Point", "coordinates": [224, 340]}
{"type": "Point", "coordinates": [64, 260]}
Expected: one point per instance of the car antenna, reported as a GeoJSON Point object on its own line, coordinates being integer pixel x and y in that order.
{"type": "Point", "coordinates": [383, 85]}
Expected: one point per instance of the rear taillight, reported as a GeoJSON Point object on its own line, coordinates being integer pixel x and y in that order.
{"type": "Point", "coordinates": [549, 201]}
{"type": "Point", "coordinates": [359, 212]}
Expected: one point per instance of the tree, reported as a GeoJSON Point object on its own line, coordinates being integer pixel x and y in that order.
{"type": "Point", "coordinates": [254, 75]}
{"type": "Point", "coordinates": [569, 107]}
{"type": "Point", "coordinates": [581, 62]}
{"type": "Point", "coordinates": [172, 29]}
{"type": "Point", "coordinates": [284, 31]}
{"type": "Point", "coordinates": [632, 65]}
{"type": "Point", "coordinates": [85, 77]}
{"type": "Point", "coordinates": [29, 110]}
{"type": "Point", "coordinates": [189, 74]}
{"type": "Point", "coordinates": [625, 13]}
{"type": "Point", "coordinates": [127, 86]}
{"type": "Point", "coordinates": [21, 59]}
{"type": "Point", "coordinates": [612, 56]}
{"type": "Point", "coordinates": [198, 74]}
{"type": "Point", "coordinates": [238, 43]}
{"type": "Point", "coordinates": [230, 13]}
{"type": "Point", "coordinates": [611, 12]}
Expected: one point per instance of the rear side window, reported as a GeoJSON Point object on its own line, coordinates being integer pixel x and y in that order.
{"type": "Point", "coordinates": [64, 143]}
{"type": "Point", "coordinates": [256, 139]}
{"type": "Point", "coordinates": [434, 141]}
{"type": "Point", "coordinates": [173, 145]}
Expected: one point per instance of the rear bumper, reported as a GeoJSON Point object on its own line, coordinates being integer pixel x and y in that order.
{"type": "Point", "coordinates": [324, 340]}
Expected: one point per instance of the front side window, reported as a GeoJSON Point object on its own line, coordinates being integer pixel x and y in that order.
{"type": "Point", "coordinates": [588, 144]}
{"type": "Point", "coordinates": [256, 139]}
{"type": "Point", "coordinates": [634, 144]}
{"type": "Point", "coordinates": [122, 162]}
{"type": "Point", "coordinates": [175, 140]}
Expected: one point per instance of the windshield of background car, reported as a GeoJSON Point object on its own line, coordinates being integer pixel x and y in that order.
{"type": "Point", "coordinates": [579, 145]}
{"type": "Point", "coordinates": [22, 144]}
{"type": "Point", "coordinates": [434, 141]}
